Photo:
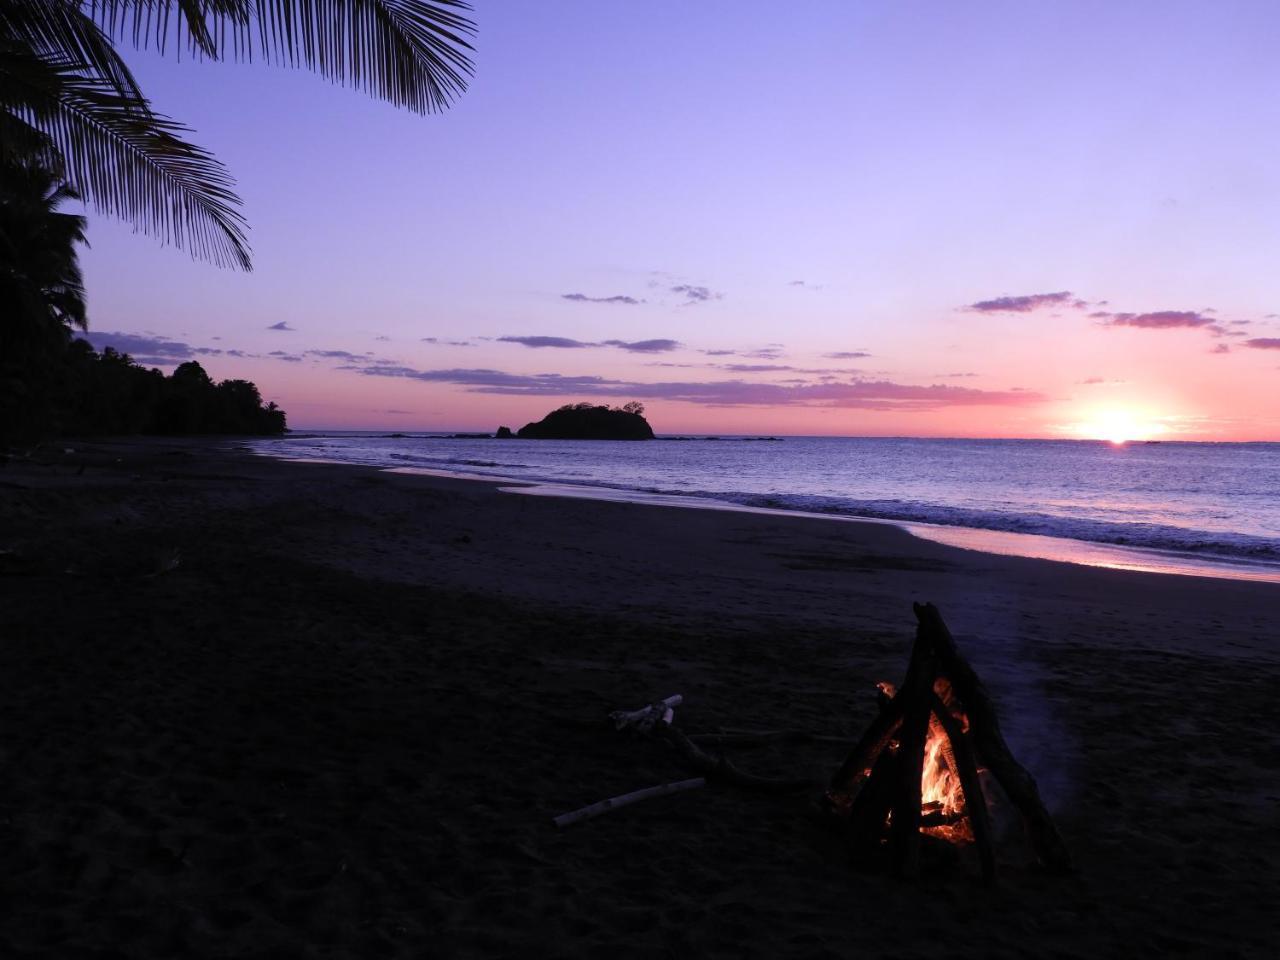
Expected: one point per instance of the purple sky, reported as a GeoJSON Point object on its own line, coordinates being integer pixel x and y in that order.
{"type": "Point", "coordinates": [979, 219]}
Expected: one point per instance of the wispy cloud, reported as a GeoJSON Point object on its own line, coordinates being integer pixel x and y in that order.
{"type": "Point", "coordinates": [155, 350]}
{"type": "Point", "coordinates": [847, 355]}
{"type": "Point", "coordinates": [337, 354]}
{"type": "Point", "coordinates": [142, 347]}
{"type": "Point", "coordinates": [567, 343]}
{"type": "Point", "coordinates": [280, 326]}
{"type": "Point", "coordinates": [616, 298]}
{"type": "Point", "coordinates": [538, 343]}
{"type": "Point", "coordinates": [152, 350]}
{"type": "Point", "coordinates": [859, 394]}
{"type": "Point", "coordinates": [1264, 343]}
{"type": "Point", "coordinates": [644, 346]}
{"type": "Point", "coordinates": [693, 293]}
{"type": "Point", "coordinates": [1027, 302]}
{"type": "Point", "coordinates": [448, 343]}
{"type": "Point", "coordinates": [1157, 320]}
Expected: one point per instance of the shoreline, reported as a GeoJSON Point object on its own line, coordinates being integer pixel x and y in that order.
{"type": "Point", "coordinates": [998, 542]}
{"type": "Point", "coordinates": [1112, 550]}
{"type": "Point", "coordinates": [306, 709]}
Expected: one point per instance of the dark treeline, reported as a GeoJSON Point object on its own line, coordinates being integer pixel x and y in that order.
{"type": "Point", "coordinates": [54, 384]}
{"type": "Point", "coordinates": [86, 393]}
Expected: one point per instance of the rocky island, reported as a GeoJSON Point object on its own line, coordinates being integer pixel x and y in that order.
{"type": "Point", "coordinates": [585, 421]}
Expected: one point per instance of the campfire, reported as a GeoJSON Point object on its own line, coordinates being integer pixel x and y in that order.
{"type": "Point", "coordinates": [932, 763]}
{"type": "Point", "coordinates": [927, 770]}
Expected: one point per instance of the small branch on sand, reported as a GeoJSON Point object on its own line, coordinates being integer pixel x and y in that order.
{"type": "Point", "coordinates": [721, 767]}
{"type": "Point", "coordinates": [658, 721]}
{"type": "Point", "coordinates": [754, 738]}
{"type": "Point", "coordinates": [613, 803]}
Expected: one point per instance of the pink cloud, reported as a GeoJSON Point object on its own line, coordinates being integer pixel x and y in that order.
{"type": "Point", "coordinates": [1026, 303]}
{"type": "Point", "coordinates": [847, 394]}
{"type": "Point", "coordinates": [1157, 320]}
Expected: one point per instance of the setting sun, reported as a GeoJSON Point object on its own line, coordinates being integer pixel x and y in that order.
{"type": "Point", "coordinates": [1117, 426]}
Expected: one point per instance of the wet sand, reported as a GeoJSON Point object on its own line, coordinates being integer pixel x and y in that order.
{"type": "Point", "coordinates": [340, 724]}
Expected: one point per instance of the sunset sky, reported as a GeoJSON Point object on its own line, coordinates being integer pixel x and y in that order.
{"type": "Point", "coordinates": [936, 219]}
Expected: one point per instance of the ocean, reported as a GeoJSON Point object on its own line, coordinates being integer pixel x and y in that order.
{"type": "Point", "coordinates": [1193, 508]}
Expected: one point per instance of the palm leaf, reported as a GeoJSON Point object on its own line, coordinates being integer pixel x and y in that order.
{"type": "Point", "coordinates": [412, 53]}
{"type": "Point", "coordinates": [126, 159]}
{"type": "Point", "coordinates": [147, 22]}
{"type": "Point", "coordinates": [62, 27]}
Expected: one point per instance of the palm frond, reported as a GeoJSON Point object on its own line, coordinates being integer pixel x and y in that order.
{"type": "Point", "coordinates": [62, 28]}
{"type": "Point", "coordinates": [155, 22]}
{"type": "Point", "coordinates": [127, 160]}
{"type": "Point", "coordinates": [412, 53]}
{"type": "Point", "coordinates": [39, 264]}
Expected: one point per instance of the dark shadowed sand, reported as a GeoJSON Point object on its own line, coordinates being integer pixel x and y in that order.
{"type": "Point", "coordinates": [340, 725]}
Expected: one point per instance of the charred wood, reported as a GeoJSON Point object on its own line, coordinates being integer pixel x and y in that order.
{"type": "Point", "coordinates": [989, 744]}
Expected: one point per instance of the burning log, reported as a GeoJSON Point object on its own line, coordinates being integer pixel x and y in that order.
{"type": "Point", "coordinates": [975, 802]}
{"type": "Point", "coordinates": [917, 741]}
{"type": "Point", "coordinates": [904, 836]}
{"type": "Point", "coordinates": [877, 736]}
{"type": "Point", "coordinates": [990, 745]}
{"type": "Point", "coordinates": [868, 812]}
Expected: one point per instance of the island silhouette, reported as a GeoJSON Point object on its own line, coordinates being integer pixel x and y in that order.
{"type": "Point", "coordinates": [586, 421]}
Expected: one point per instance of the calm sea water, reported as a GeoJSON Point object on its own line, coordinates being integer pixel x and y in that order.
{"type": "Point", "coordinates": [1210, 505]}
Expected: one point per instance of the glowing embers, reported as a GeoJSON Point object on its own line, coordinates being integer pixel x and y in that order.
{"type": "Point", "coordinates": [942, 798]}
{"type": "Point", "coordinates": [918, 772]}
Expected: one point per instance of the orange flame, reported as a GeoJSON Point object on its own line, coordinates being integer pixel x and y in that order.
{"type": "Point", "coordinates": [940, 792]}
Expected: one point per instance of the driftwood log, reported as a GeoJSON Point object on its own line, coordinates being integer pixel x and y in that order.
{"type": "Point", "coordinates": [720, 767]}
{"type": "Point", "coordinates": [880, 781]}
{"type": "Point", "coordinates": [635, 796]}
{"type": "Point", "coordinates": [657, 720]}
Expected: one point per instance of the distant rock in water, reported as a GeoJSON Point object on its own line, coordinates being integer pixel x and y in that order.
{"type": "Point", "coordinates": [504, 433]}
{"type": "Point", "coordinates": [582, 421]}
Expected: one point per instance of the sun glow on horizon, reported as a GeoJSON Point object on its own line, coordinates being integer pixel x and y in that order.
{"type": "Point", "coordinates": [1118, 426]}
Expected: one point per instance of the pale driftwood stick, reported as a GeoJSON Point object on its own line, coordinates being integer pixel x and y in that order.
{"type": "Point", "coordinates": [644, 719]}
{"type": "Point", "coordinates": [989, 743]}
{"type": "Point", "coordinates": [975, 801]}
{"type": "Point", "coordinates": [613, 803]}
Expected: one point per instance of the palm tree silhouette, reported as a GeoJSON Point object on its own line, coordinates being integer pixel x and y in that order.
{"type": "Point", "coordinates": [42, 291]}
{"type": "Point", "coordinates": [69, 101]}
{"type": "Point", "coordinates": [40, 280]}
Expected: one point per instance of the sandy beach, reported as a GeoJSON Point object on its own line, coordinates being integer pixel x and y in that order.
{"type": "Point", "coordinates": [263, 709]}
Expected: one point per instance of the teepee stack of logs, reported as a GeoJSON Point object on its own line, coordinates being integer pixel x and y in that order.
{"type": "Point", "coordinates": [876, 793]}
